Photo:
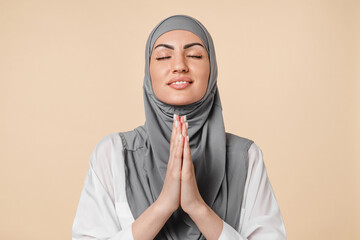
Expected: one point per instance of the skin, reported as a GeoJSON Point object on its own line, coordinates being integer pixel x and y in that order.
{"type": "Point", "coordinates": [180, 187]}
{"type": "Point", "coordinates": [180, 61]}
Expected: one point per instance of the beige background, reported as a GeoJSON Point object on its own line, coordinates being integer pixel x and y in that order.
{"type": "Point", "coordinates": [71, 72]}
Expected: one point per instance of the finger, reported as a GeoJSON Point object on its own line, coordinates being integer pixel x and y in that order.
{"type": "Point", "coordinates": [178, 118]}
{"type": "Point", "coordinates": [181, 123]}
{"type": "Point", "coordinates": [178, 129]}
{"type": "Point", "coordinates": [184, 126]}
{"type": "Point", "coordinates": [173, 132]}
{"type": "Point", "coordinates": [187, 162]}
{"type": "Point", "coordinates": [172, 140]}
{"type": "Point", "coordinates": [176, 146]}
{"type": "Point", "coordinates": [178, 153]}
{"type": "Point", "coordinates": [183, 129]}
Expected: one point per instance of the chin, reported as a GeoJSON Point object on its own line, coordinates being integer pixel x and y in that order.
{"type": "Point", "coordinates": [178, 101]}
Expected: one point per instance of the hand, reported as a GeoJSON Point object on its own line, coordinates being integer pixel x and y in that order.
{"type": "Point", "coordinates": [190, 198]}
{"type": "Point", "coordinates": [208, 222]}
{"type": "Point", "coordinates": [170, 193]}
{"type": "Point", "coordinates": [180, 187]}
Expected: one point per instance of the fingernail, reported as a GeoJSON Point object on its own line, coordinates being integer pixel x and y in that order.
{"type": "Point", "coordinates": [187, 138]}
{"type": "Point", "coordinates": [187, 125]}
{"type": "Point", "coordinates": [174, 116]}
{"type": "Point", "coordinates": [176, 123]}
{"type": "Point", "coordinates": [184, 118]}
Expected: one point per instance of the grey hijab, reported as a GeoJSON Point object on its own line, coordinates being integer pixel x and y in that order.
{"type": "Point", "coordinates": [215, 154]}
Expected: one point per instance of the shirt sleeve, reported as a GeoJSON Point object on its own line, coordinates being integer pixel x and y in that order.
{"type": "Point", "coordinates": [260, 213]}
{"type": "Point", "coordinates": [96, 216]}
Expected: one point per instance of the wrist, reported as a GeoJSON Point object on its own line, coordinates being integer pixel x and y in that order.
{"type": "Point", "coordinates": [208, 222]}
{"type": "Point", "coordinates": [162, 206]}
{"type": "Point", "coordinates": [198, 210]}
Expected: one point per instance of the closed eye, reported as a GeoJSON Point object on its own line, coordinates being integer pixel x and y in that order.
{"type": "Point", "coordinates": [195, 56]}
{"type": "Point", "coordinates": [162, 58]}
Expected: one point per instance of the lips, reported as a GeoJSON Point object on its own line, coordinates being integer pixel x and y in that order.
{"type": "Point", "coordinates": [180, 82]}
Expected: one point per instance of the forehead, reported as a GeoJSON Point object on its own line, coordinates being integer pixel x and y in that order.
{"type": "Point", "coordinates": [178, 37]}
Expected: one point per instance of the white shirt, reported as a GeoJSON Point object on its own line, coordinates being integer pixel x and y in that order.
{"type": "Point", "coordinates": [104, 213]}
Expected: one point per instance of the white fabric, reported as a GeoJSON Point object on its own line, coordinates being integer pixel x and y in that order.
{"type": "Point", "coordinates": [103, 211]}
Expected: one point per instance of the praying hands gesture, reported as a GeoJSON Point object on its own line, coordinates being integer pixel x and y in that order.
{"type": "Point", "coordinates": [179, 189]}
{"type": "Point", "coordinates": [180, 186]}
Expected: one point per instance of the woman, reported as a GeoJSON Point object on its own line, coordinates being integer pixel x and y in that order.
{"type": "Point", "coordinates": [180, 176]}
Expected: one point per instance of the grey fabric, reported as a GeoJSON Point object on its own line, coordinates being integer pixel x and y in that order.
{"type": "Point", "coordinates": [220, 159]}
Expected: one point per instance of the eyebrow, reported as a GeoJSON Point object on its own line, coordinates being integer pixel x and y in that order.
{"type": "Point", "coordinates": [172, 47]}
{"type": "Point", "coordinates": [165, 45]}
{"type": "Point", "coordinates": [192, 44]}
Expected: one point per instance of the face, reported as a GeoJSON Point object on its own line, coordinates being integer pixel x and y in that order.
{"type": "Point", "coordinates": [179, 68]}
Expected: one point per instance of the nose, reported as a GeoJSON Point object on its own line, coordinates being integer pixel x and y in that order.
{"type": "Point", "coordinates": [180, 65]}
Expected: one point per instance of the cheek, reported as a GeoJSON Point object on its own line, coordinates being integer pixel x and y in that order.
{"type": "Point", "coordinates": [203, 74]}
{"type": "Point", "coordinates": [158, 78]}
{"type": "Point", "coordinates": [158, 70]}
{"type": "Point", "coordinates": [207, 72]}
{"type": "Point", "coordinates": [154, 74]}
{"type": "Point", "coordinates": [205, 78]}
